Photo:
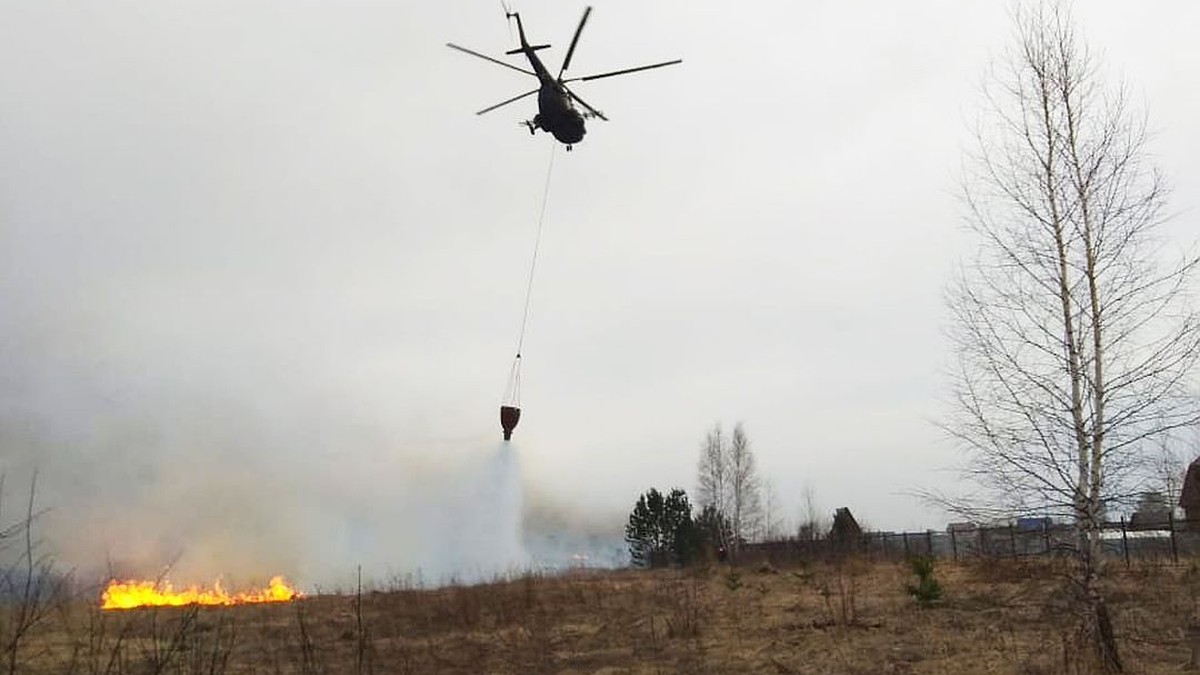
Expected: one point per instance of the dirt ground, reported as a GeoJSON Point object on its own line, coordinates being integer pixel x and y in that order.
{"type": "Point", "coordinates": [995, 617]}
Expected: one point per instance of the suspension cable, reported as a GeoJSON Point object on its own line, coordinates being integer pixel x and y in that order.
{"type": "Point", "coordinates": [513, 392]}
{"type": "Point", "coordinates": [537, 243]}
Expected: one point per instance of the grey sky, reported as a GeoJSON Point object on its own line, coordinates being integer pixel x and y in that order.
{"type": "Point", "coordinates": [269, 238]}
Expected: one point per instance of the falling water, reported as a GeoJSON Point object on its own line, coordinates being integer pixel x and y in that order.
{"type": "Point", "coordinates": [486, 540]}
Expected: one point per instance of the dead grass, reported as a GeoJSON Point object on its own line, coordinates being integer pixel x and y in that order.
{"type": "Point", "coordinates": [997, 617]}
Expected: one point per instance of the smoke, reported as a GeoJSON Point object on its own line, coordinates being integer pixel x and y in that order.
{"type": "Point", "coordinates": [225, 512]}
{"type": "Point", "coordinates": [144, 479]}
{"type": "Point", "coordinates": [215, 425]}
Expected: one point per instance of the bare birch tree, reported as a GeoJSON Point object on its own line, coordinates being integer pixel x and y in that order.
{"type": "Point", "coordinates": [772, 525]}
{"type": "Point", "coordinates": [712, 471]}
{"type": "Point", "coordinates": [728, 481]}
{"type": "Point", "coordinates": [745, 488]}
{"type": "Point", "coordinates": [1073, 342]}
{"type": "Point", "coordinates": [813, 524]}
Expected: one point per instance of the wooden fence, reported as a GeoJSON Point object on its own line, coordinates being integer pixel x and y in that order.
{"type": "Point", "coordinates": [1166, 541]}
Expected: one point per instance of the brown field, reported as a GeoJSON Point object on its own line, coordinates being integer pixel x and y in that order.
{"type": "Point", "coordinates": [997, 617]}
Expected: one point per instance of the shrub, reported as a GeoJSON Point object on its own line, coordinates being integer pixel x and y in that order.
{"type": "Point", "coordinates": [927, 591]}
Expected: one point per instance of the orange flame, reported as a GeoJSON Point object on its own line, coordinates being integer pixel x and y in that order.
{"type": "Point", "coordinates": [130, 594]}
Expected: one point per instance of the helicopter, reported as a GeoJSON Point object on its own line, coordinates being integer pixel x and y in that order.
{"type": "Point", "coordinates": [557, 113]}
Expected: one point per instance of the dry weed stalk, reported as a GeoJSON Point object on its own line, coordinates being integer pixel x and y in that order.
{"type": "Point", "coordinates": [29, 585]}
{"type": "Point", "coordinates": [838, 588]}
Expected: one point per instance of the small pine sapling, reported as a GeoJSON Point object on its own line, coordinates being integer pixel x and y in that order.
{"type": "Point", "coordinates": [927, 591]}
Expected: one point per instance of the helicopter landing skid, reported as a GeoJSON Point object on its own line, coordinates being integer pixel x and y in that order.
{"type": "Point", "coordinates": [532, 127]}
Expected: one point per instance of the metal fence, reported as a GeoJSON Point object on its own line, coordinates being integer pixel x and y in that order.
{"type": "Point", "coordinates": [1166, 541]}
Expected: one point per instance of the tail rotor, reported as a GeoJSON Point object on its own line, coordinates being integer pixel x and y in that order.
{"type": "Point", "coordinates": [508, 14]}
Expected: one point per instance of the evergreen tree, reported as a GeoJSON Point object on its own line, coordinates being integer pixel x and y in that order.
{"type": "Point", "coordinates": [714, 530]}
{"type": "Point", "coordinates": [660, 530]}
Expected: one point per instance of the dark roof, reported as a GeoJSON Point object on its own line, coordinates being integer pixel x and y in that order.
{"type": "Point", "coordinates": [1189, 496]}
{"type": "Point", "coordinates": [844, 525]}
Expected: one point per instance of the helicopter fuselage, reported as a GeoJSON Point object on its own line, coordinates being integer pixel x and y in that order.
{"type": "Point", "coordinates": [557, 116]}
{"type": "Point", "coordinates": [556, 113]}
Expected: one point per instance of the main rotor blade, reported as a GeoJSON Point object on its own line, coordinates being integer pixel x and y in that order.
{"type": "Point", "coordinates": [488, 58]}
{"type": "Point", "coordinates": [504, 103]}
{"type": "Point", "coordinates": [571, 49]}
{"type": "Point", "coordinates": [624, 72]}
{"type": "Point", "coordinates": [583, 103]}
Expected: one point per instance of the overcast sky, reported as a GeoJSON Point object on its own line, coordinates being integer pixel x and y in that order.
{"type": "Point", "coordinates": [265, 248]}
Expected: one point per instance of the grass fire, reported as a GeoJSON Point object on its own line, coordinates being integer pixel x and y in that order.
{"type": "Point", "coordinates": [133, 594]}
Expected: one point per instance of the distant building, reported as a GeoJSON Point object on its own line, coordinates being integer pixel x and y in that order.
{"type": "Point", "coordinates": [1152, 512]}
{"type": "Point", "coordinates": [845, 534]}
{"type": "Point", "coordinates": [1033, 524]}
{"type": "Point", "coordinates": [1189, 496]}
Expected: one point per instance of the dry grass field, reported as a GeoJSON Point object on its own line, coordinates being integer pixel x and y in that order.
{"type": "Point", "coordinates": [996, 617]}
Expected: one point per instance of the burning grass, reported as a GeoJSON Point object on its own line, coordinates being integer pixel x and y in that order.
{"type": "Point", "coordinates": [133, 594]}
{"type": "Point", "coordinates": [1001, 617]}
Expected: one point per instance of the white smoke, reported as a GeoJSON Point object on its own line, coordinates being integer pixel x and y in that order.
{"type": "Point", "coordinates": [217, 498]}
